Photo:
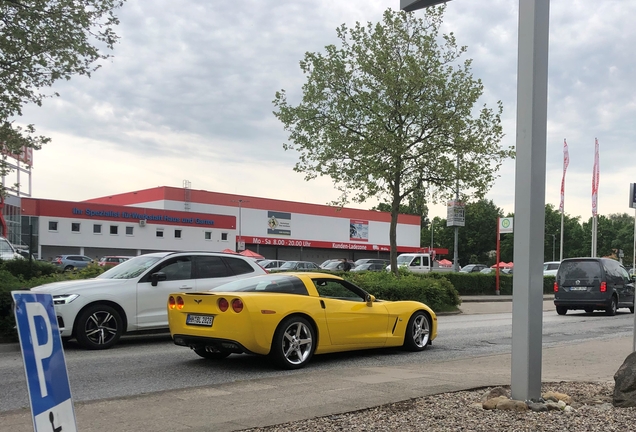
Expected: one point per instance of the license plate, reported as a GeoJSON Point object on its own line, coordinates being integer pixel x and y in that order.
{"type": "Point", "coordinates": [201, 320]}
{"type": "Point", "coordinates": [578, 288]}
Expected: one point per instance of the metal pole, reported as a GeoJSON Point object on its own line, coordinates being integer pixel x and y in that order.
{"type": "Point", "coordinates": [532, 101]}
{"type": "Point", "coordinates": [432, 228]}
{"type": "Point", "coordinates": [456, 245]}
{"type": "Point", "coordinates": [553, 242]}
{"type": "Point", "coordinates": [561, 243]}
{"type": "Point", "coordinates": [239, 242]}
{"type": "Point", "coordinates": [634, 272]}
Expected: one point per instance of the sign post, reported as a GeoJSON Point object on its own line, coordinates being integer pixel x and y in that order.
{"type": "Point", "coordinates": [44, 362]}
{"type": "Point", "coordinates": [504, 225]}
{"type": "Point", "coordinates": [632, 204]}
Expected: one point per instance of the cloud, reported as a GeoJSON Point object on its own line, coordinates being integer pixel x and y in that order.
{"type": "Point", "coordinates": [188, 95]}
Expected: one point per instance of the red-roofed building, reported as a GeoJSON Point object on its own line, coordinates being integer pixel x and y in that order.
{"type": "Point", "coordinates": [169, 218]}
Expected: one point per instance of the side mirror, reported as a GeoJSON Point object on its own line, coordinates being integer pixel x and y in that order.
{"type": "Point", "coordinates": [155, 278]}
{"type": "Point", "coordinates": [370, 299]}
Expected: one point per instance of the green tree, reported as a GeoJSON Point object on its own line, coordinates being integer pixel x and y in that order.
{"type": "Point", "coordinates": [42, 41]}
{"type": "Point", "coordinates": [392, 111]}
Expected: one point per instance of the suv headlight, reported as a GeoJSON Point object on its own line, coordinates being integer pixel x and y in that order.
{"type": "Point", "coordinates": [64, 298]}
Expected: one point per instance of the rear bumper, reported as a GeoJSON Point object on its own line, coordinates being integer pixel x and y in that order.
{"type": "Point", "coordinates": [219, 345]}
{"type": "Point", "coordinates": [583, 303]}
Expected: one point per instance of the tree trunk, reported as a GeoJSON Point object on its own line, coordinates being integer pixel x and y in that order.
{"type": "Point", "coordinates": [395, 206]}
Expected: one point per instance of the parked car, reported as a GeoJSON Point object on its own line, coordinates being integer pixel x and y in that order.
{"type": "Point", "coordinates": [337, 266]}
{"type": "Point", "coordinates": [593, 284]}
{"type": "Point", "coordinates": [270, 264]}
{"type": "Point", "coordinates": [487, 270]}
{"type": "Point", "coordinates": [372, 260]}
{"type": "Point", "coordinates": [299, 265]}
{"type": "Point", "coordinates": [473, 268]}
{"type": "Point", "coordinates": [217, 323]}
{"type": "Point", "coordinates": [369, 267]}
{"type": "Point", "coordinates": [327, 262]}
{"type": "Point", "coordinates": [419, 263]}
{"type": "Point", "coordinates": [111, 261]}
{"type": "Point", "coordinates": [7, 251]}
{"type": "Point", "coordinates": [550, 268]}
{"type": "Point", "coordinates": [132, 295]}
{"type": "Point", "coordinates": [70, 262]}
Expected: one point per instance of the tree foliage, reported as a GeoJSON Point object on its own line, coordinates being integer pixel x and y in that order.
{"type": "Point", "coordinates": [41, 42]}
{"type": "Point", "coordinates": [391, 114]}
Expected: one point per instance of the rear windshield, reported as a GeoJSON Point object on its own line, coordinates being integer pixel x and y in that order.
{"type": "Point", "coordinates": [266, 283]}
{"type": "Point", "coordinates": [579, 270]}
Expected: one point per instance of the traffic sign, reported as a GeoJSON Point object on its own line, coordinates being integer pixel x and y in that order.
{"type": "Point", "coordinates": [505, 225]}
{"type": "Point", "coordinates": [44, 363]}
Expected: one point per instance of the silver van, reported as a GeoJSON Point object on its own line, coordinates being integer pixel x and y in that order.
{"type": "Point", "coordinates": [593, 284]}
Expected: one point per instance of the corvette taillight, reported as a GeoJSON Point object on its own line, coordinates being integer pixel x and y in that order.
{"type": "Point", "coordinates": [179, 303]}
{"type": "Point", "coordinates": [603, 286]}
{"type": "Point", "coordinates": [171, 302]}
{"type": "Point", "coordinates": [237, 305]}
{"type": "Point", "coordinates": [223, 304]}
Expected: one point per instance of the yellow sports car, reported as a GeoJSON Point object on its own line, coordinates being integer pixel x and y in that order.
{"type": "Point", "coordinates": [292, 316]}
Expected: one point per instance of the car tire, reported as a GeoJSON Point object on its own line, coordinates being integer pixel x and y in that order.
{"type": "Point", "coordinates": [294, 343]}
{"type": "Point", "coordinates": [99, 326]}
{"type": "Point", "coordinates": [589, 310]}
{"type": "Point", "coordinates": [220, 355]}
{"type": "Point", "coordinates": [631, 309]}
{"type": "Point", "coordinates": [561, 310]}
{"type": "Point", "coordinates": [68, 268]}
{"type": "Point", "coordinates": [611, 310]}
{"type": "Point", "coordinates": [418, 332]}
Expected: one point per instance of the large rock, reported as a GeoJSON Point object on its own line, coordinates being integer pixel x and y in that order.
{"type": "Point", "coordinates": [494, 393]}
{"type": "Point", "coordinates": [625, 383]}
{"type": "Point", "coordinates": [491, 404]}
{"type": "Point", "coordinates": [556, 397]}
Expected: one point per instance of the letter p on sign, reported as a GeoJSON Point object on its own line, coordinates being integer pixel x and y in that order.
{"type": "Point", "coordinates": [44, 350]}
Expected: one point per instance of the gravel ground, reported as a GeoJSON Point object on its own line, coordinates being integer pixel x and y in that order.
{"type": "Point", "coordinates": [593, 411]}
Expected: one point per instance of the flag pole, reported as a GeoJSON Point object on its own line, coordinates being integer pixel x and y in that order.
{"type": "Point", "coordinates": [566, 162]}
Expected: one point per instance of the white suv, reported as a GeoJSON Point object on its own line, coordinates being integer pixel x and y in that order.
{"type": "Point", "coordinates": [133, 295]}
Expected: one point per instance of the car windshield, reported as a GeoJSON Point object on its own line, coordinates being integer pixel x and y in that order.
{"type": "Point", "coordinates": [402, 259]}
{"type": "Point", "coordinates": [131, 268]}
{"type": "Point", "coordinates": [288, 265]}
{"type": "Point", "coordinates": [266, 283]}
{"type": "Point", "coordinates": [332, 265]}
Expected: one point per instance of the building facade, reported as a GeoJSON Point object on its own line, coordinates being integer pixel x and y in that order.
{"type": "Point", "coordinates": [167, 218]}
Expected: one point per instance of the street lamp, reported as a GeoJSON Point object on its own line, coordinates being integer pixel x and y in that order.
{"type": "Point", "coordinates": [411, 5]}
{"type": "Point", "coordinates": [239, 242]}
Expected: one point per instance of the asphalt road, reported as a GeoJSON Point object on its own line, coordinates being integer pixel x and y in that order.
{"type": "Point", "coordinates": [152, 363]}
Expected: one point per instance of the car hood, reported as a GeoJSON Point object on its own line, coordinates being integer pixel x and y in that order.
{"type": "Point", "coordinates": [78, 286]}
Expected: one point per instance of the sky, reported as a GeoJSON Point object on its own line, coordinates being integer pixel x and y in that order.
{"type": "Point", "coordinates": [187, 96]}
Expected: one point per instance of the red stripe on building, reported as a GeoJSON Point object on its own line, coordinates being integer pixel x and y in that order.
{"type": "Point", "coordinates": [231, 200]}
{"type": "Point", "coordinates": [119, 213]}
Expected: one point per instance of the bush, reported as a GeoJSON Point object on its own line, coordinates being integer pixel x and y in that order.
{"type": "Point", "coordinates": [14, 276]}
{"type": "Point", "coordinates": [438, 294]}
{"type": "Point", "coordinates": [25, 269]}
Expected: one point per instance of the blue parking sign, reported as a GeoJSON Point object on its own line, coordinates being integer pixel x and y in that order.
{"type": "Point", "coordinates": [44, 362]}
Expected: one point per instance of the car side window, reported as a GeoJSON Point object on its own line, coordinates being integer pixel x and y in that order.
{"type": "Point", "coordinates": [331, 288]}
{"type": "Point", "coordinates": [179, 268]}
{"type": "Point", "coordinates": [624, 274]}
{"type": "Point", "coordinates": [238, 266]}
{"type": "Point", "coordinates": [211, 267]}
{"type": "Point", "coordinates": [415, 262]}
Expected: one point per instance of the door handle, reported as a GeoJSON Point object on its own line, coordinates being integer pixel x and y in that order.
{"type": "Point", "coordinates": [186, 287]}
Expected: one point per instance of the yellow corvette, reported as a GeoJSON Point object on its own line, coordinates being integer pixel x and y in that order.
{"type": "Point", "coordinates": [292, 316]}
